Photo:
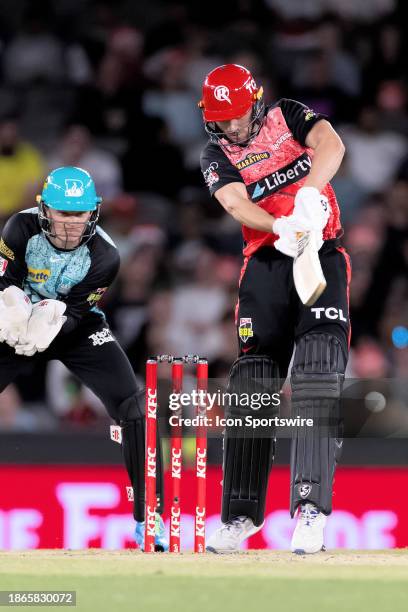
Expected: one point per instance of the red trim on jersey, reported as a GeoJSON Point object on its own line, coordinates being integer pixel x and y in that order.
{"type": "Point", "coordinates": [348, 272]}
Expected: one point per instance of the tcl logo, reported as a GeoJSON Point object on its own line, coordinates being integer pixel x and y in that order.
{"type": "Point", "coordinates": [250, 85]}
{"type": "Point", "coordinates": [329, 313]}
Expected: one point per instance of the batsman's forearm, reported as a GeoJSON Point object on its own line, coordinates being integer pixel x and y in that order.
{"type": "Point", "coordinates": [249, 214]}
{"type": "Point", "coordinates": [326, 161]}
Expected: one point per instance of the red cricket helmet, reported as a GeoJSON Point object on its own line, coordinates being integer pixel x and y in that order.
{"type": "Point", "coordinates": [230, 91]}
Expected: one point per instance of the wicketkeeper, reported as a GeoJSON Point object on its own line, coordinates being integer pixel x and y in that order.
{"type": "Point", "coordinates": [55, 265]}
{"type": "Point", "coordinates": [270, 168]}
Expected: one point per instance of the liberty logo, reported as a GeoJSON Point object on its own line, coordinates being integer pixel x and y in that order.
{"type": "Point", "coordinates": [74, 188]}
{"type": "Point", "coordinates": [258, 191]}
{"type": "Point", "coordinates": [293, 172]}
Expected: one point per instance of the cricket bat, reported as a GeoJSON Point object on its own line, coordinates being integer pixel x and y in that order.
{"type": "Point", "coordinates": [307, 271]}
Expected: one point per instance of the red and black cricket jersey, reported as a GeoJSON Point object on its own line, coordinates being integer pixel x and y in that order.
{"type": "Point", "coordinates": [273, 167]}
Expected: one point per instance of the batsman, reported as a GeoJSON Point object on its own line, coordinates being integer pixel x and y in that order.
{"type": "Point", "coordinates": [270, 167]}
{"type": "Point", "coordinates": [55, 265]}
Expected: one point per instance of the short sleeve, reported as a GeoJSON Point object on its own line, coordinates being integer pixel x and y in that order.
{"type": "Point", "coordinates": [217, 169]}
{"type": "Point", "coordinates": [86, 294]}
{"type": "Point", "coordinates": [13, 242]}
{"type": "Point", "coordinates": [299, 118]}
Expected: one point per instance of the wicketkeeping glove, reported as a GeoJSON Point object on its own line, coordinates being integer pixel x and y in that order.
{"type": "Point", "coordinates": [311, 208]}
{"type": "Point", "coordinates": [15, 311]}
{"type": "Point", "coordinates": [44, 324]}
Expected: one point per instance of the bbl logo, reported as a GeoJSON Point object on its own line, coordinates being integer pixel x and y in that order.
{"type": "Point", "coordinates": [245, 330]}
{"type": "Point", "coordinates": [309, 114]}
{"type": "Point", "coordinates": [94, 297]}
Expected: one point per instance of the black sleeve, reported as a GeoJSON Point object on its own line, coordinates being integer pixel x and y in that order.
{"type": "Point", "coordinates": [217, 169]}
{"type": "Point", "coordinates": [299, 118]}
{"type": "Point", "coordinates": [13, 242]}
{"type": "Point", "coordinates": [86, 294]}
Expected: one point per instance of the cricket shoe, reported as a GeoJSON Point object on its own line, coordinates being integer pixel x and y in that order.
{"type": "Point", "coordinates": [308, 535]}
{"type": "Point", "coordinates": [161, 543]}
{"type": "Point", "coordinates": [229, 537]}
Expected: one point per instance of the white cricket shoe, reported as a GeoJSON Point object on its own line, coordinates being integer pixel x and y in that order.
{"type": "Point", "coordinates": [308, 535]}
{"type": "Point", "coordinates": [229, 537]}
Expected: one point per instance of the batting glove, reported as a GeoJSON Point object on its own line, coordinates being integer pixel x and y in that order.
{"type": "Point", "coordinates": [288, 230]}
{"type": "Point", "coordinates": [311, 207]}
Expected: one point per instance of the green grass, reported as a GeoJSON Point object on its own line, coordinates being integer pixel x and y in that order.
{"type": "Point", "coordinates": [256, 581]}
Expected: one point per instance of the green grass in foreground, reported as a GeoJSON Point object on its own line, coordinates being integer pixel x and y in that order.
{"type": "Point", "coordinates": [256, 581]}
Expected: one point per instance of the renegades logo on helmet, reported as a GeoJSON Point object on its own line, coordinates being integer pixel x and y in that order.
{"type": "Point", "coordinates": [221, 93]}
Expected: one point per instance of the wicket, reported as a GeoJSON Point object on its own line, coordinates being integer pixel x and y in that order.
{"type": "Point", "coordinates": [177, 364]}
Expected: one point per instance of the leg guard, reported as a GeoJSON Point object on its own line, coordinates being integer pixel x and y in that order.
{"type": "Point", "coordinates": [317, 378]}
{"type": "Point", "coordinates": [248, 454]}
{"type": "Point", "coordinates": [132, 421]}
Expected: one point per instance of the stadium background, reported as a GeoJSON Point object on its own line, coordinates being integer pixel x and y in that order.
{"type": "Point", "coordinates": [112, 86]}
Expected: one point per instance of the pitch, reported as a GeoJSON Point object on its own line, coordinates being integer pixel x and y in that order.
{"type": "Point", "coordinates": [256, 580]}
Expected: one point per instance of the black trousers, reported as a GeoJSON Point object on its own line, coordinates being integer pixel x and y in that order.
{"type": "Point", "coordinates": [91, 353]}
{"type": "Point", "coordinates": [271, 320]}
{"type": "Point", "coordinates": [270, 316]}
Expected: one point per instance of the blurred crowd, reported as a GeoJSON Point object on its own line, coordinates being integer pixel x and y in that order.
{"type": "Point", "coordinates": [112, 86]}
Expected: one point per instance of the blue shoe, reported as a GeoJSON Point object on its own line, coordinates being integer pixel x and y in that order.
{"type": "Point", "coordinates": [160, 541]}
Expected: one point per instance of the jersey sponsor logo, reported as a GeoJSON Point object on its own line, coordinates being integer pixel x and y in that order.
{"type": "Point", "coordinates": [94, 297]}
{"type": "Point", "coordinates": [330, 313]}
{"type": "Point", "coordinates": [74, 188]}
{"type": "Point", "coordinates": [245, 330]}
{"type": "Point", "coordinates": [293, 172]}
{"type": "Point", "coordinates": [100, 337]}
{"type": "Point", "coordinates": [3, 266]}
{"type": "Point", "coordinates": [309, 114]}
{"type": "Point", "coordinates": [66, 285]}
{"type": "Point", "coordinates": [276, 145]}
{"type": "Point", "coordinates": [210, 175]}
{"type": "Point", "coordinates": [38, 276]}
{"type": "Point", "coordinates": [7, 252]}
{"type": "Point", "coordinates": [251, 159]}
{"type": "Point", "coordinates": [221, 93]}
